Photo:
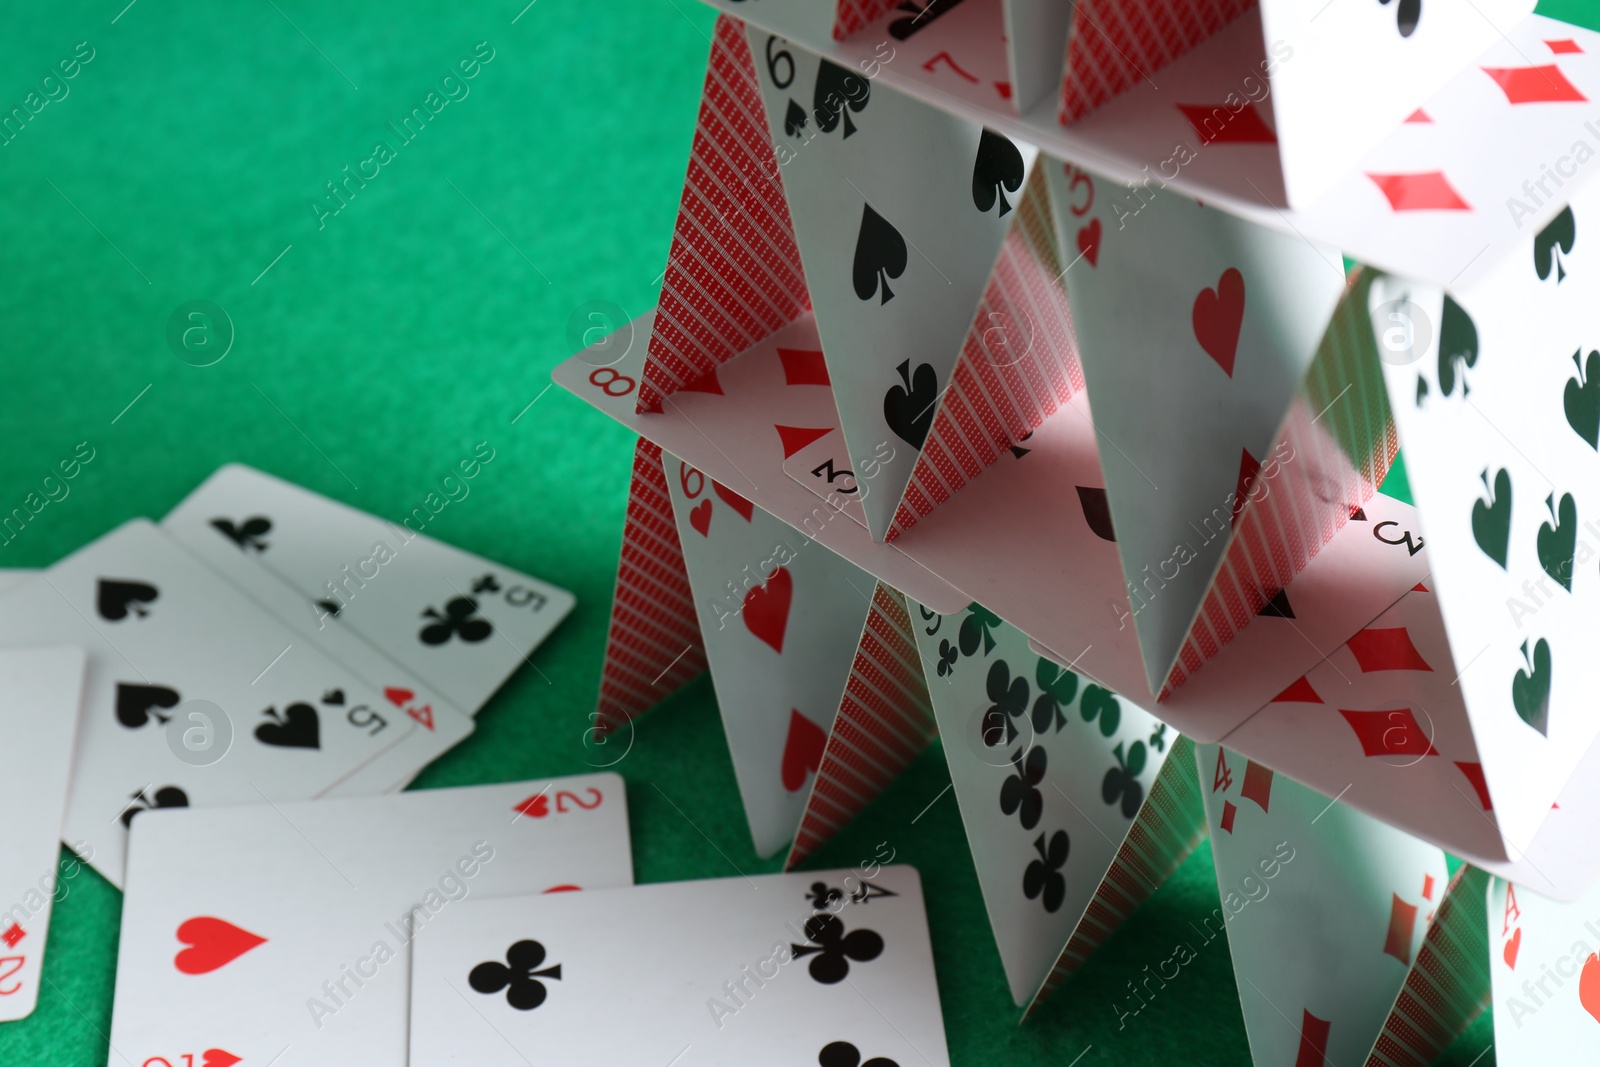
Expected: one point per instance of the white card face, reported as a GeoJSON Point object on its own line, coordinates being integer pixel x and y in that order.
{"type": "Point", "coordinates": [1036, 39]}
{"type": "Point", "coordinates": [1499, 434]}
{"type": "Point", "coordinates": [1545, 973]}
{"type": "Point", "coordinates": [1050, 771]}
{"type": "Point", "coordinates": [457, 621]}
{"type": "Point", "coordinates": [734, 971]}
{"type": "Point", "coordinates": [39, 693]}
{"type": "Point", "coordinates": [441, 725]}
{"type": "Point", "coordinates": [899, 210]}
{"type": "Point", "coordinates": [194, 694]}
{"type": "Point", "coordinates": [1325, 909]}
{"type": "Point", "coordinates": [1194, 329]}
{"type": "Point", "coordinates": [1353, 72]}
{"type": "Point", "coordinates": [261, 931]}
{"type": "Point", "coordinates": [961, 48]}
{"type": "Point", "coordinates": [823, 466]}
{"type": "Point", "coordinates": [780, 617]}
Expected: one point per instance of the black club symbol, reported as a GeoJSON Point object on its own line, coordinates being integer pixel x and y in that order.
{"type": "Point", "coordinates": [1057, 687]}
{"type": "Point", "coordinates": [460, 618]}
{"type": "Point", "coordinates": [1020, 791]}
{"type": "Point", "coordinates": [1010, 696]}
{"type": "Point", "coordinates": [1123, 780]}
{"type": "Point", "coordinates": [518, 976]}
{"type": "Point", "coordinates": [486, 584]}
{"type": "Point", "coordinates": [835, 949]}
{"type": "Point", "coordinates": [948, 654]}
{"type": "Point", "coordinates": [976, 627]}
{"type": "Point", "coordinates": [844, 1054]}
{"type": "Point", "coordinates": [1043, 876]}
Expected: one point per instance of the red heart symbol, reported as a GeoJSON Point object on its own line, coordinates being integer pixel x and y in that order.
{"type": "Point", "coordinates": [766, 608]}
{"type": "Point", "coordinates": [216, 1057]}
{"type": "Point", "coordinates": [212, 943]}
{"type": "Point", "coordinates": [802, 753]}
{"type": "Point", "coordinates": [1089, 242]}
{"type": "Point", "coordinates": [399, 697]}
{"type": "Point", "coordinates": [700, 518]}
{"type": "Point", "coordinates": [564, 889]}
{"type": "Point", "coordinates": [1510, 951]}
{"type": "Point", "coordinates": [1589, 986]}
{"type": "Point", "coordinates": [734, 501]}
{"type": "Point", "coordinates": [1218, 314]}
{"type": "Point", "coordinates": [537, 805]}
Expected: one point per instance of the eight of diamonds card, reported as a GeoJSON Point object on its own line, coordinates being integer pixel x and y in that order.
{"type": "Point", "coordinates": [829, 967]}
{"type": "Point", "coordinates": [264, 931]}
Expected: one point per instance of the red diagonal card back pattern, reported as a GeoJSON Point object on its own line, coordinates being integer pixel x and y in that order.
{"type": "Point", "coordinates": [852, 15]}
{"type": "Point", "coordinates": [988, 406]}
{"type": "Point", "coordinates": [1114, 44]}
{"type": "Point", "coordinates": [1169, 825]}
{"type": "Point", "coordinates": [733, 275]}
{"type": "Point", "coordinates": [885, 720]}
{"type": "Point", "coordinates": [654, 645]}
{"type": "Point", "coordinates": [1448, 985]}
{"type": "Point", "coordinates": [1332, 453]}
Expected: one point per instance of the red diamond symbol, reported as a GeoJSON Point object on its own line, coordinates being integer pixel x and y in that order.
{"type": "Point", "coordinates": [1402, 924]}
{"type": "Point", "coordinates": [1228, 811]}
{"type": "Point", "coordinates": [1419, 115]}
{"type": "Point", "coordinates": [1257, 784]}
{"type": "Point", "coordinates": [1216, 124]}
{"type": "Point", "coordinates": [1300, 693]}
{"type": "Point", "coordinates": [13, 934]}
{"type": "Point", "coordinates": [1386, 649]}
{"type": "Point", "coordinates": [801, 367]}
{"type": "Point", "coordinates": [1563, 47]}
{"type": "Point", "coordinates": [1424, 191]}
{"type": "Point", "coordinates": [1534, 85]}
{"type": "Point", "coordinates": [1389, 733]}
{"type": "Point", "coordinates": [1427, 887]}
{"type": "Point", "coordinates": [1474, 774]}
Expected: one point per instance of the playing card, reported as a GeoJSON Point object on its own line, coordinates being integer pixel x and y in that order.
{"type": "Point", "coordinates": [1036, 39]}
{"type": "Point", "coordinates": [1327, 113]}
{"type": "Point", "coordinates": [830, 967]}
{"type": "Point", "coordinates": [262, 931]}
{"type": "Point", "coordinates": [441, 725]}
{"type": "Point", "coordinates": [1324, 907]}
{"type": "Point", "coordinates": [958, 46]}
{"type": "Point", "coordinates": [823, 466]}
{"type": "Point", "coordinates": [1049, 769]}
{"type": "Point", "coordinates": [457, 621]}
{"type": "Point", "coordinates": [780, 617]}
{"type": "Point", "coordinates": [1545, 972]}
{"type": "Point", "coordinates": [193, 695]}
{"type": "Point", "coordinates": [899, 211]}
{"type": "Point", "coordinates": [1195, 330]}
{"type": "Point", "coordinates": [39, 693]}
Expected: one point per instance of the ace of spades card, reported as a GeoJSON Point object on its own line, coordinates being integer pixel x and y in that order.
{"type": "Point", "coordinates": [780, 617]}
{"type": "Point", "coordinates": [285, 931]}
{"type": "Point", "coordinates": [734, 971]}
{"type": "Point", "coordinates": [457, 621]}
{"type": "Point", "coordinates": [1195, 329]}
{"type": "Point", "coordinates": [899, 211]}
{"type": "Point", "coordinates": [194, 695]}
{"type": "Point", "coordinates": [1498, 421]}
{"type": "Point", "coordinates": [1050, 771]}
{"type": "Point", "coordinates": [1545, 972]}
{"type": "Point", "coordinates": [1325, 909]}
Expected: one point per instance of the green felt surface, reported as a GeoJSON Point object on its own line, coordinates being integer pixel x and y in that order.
{"type": "Point", "coordinates": [380, 348]}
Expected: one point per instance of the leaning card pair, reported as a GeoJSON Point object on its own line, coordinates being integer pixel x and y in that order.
{"type": "Point", "coordinates": [457, 621]}
{"type": "Point", "coordinates": [281, 933]}
{"type": "Point", "coordinates": [193, 694]}
{"type": "Point", "coordinates": [39, 692]}
{"type": "Point", "coordinates": [820, 967]}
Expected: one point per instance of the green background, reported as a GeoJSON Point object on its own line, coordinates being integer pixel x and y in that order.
{"type": "Point", "coordinates": [378, 350]}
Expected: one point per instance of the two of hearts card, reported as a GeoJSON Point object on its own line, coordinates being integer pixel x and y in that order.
{"type": "Point", "coordinates": [261, 645]}
{"type": "Point", "coordinates": [1035, 377]}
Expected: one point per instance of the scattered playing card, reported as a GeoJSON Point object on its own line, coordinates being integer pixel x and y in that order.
{"type": "Point", "coordinates": [765, 969]}
{"type": "Point", "coordinates": [457, 621]}
{"type": "Point", "coordinates": [39, 693]}
{"type": "Point", "coordinates": [285, 930]}
{"type": "Point", "coordinates": [193, 694]}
